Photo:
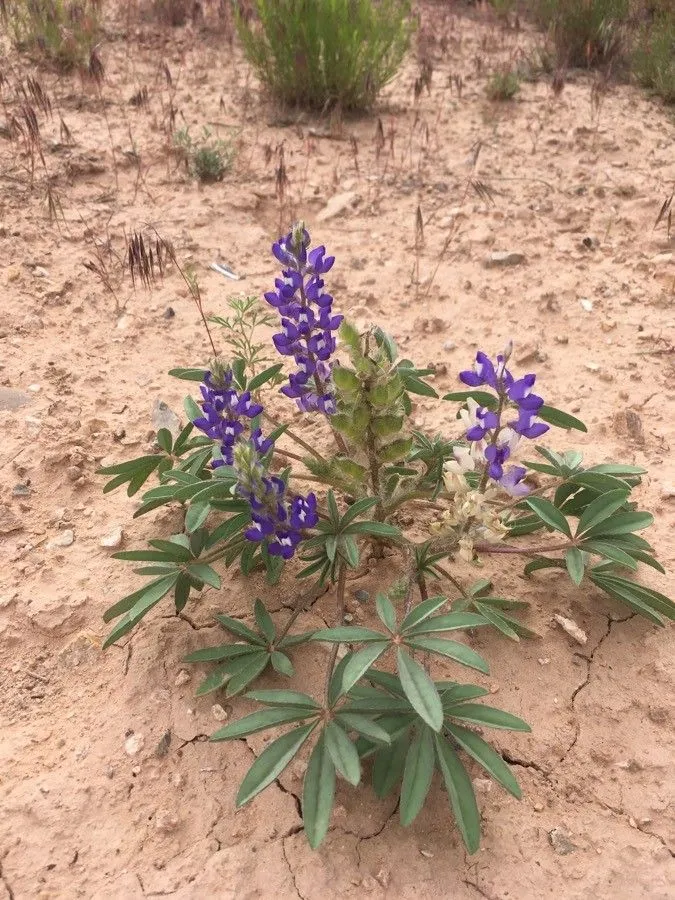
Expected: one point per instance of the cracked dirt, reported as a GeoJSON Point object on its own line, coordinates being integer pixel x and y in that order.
{"type": "Point", "coordinates": [79, 815]}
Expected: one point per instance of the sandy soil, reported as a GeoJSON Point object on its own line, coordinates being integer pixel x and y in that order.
{"type": "Point", "coordinates": [80, 817]}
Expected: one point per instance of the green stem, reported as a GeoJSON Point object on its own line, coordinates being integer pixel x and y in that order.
{"type": "Point", "coordinates": [295, 437]}
{"type": "Point", "coordinates": [340, 615]}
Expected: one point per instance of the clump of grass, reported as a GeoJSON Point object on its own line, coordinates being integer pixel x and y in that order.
{"type": "Point", "coordinates": [324, 53]}
{"type": "Point", "coordinates": [63, 31]}
{"type": "Point", "coordinates": [503, 86]}
{"type": "Point", "coordinates": [654, 55]}
{"type": "Point", "coordinates": [206, 158]}
{"type": "Point", "coordinates": [585, 33]}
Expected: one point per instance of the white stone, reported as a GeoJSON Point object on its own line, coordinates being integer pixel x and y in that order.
{"type": "Point", "coordinates": [114, 538]}
{"type": "Point", "coordinates": [62, 539]}
{"type": "Point", "coordinates": [134, 744]}
{"type": "Point", "coordinates": [571, 627]}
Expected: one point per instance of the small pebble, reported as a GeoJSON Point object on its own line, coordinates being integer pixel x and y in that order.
{"type": "Point", "coordinates": [218, 713]}
{"type": "Point", "coordinates": [134, 744]}
{"type": "Point", "coordinates": [21, 490]}
{"type": "Point", "coordinates": [113, 539]}
{"type": "Point", "coordinates": [63, 539]}
{"type": "Point", "coordinates": [586, 305]}
{"type": "Point", "coordinates": [182, 678]}
{"type": "Point", "coordinates": [571, 627]}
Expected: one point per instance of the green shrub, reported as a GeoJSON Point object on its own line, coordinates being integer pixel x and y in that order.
{"type": "Point", "coordinates": [654, 55]}
{"type": "Point", "coordinates": [321, 53]}
{"type": "Point", "coordinates": [503, 86]}
{"type": "Point", "coordinates": [206, 158]}
{"type": "Point", "coordinates": [63, 31]}
{"type": "Point", "coordinates": [584, 32]}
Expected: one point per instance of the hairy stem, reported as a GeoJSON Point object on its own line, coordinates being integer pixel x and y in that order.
{"type": "Point", "coordinates": [295, 437]}
{"type": "Point", "coordinates": [339, 615]}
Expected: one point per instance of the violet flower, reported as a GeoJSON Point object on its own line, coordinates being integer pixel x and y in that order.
{"type": "Point", "coordinates": [491, 438]}
{"type": "Point", "coordinates": [226, 412]}
{"type": "Point", "coordinates": [277, 521]}
{"type": "Point", "coordinates": [307, 320]}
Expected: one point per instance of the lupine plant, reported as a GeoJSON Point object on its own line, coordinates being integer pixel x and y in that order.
{"type": "Point", "coordinates": [256, 495]}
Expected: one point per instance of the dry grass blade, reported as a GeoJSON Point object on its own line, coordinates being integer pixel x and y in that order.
{"type": "Point", "coordinates": [33, 92]}
{"type": "Point", "coordinates": [140, 99]}
{"type": "Point", "coordinates": [96, 68]}
{"type": "Point", "coordinates": [146, 260]}
{"type": "Point", "coordinates": [666, 212]}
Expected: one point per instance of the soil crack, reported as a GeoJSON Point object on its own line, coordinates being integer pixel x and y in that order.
{"type": "Point", "coordinates": [5, 882]}
{"type": "Point", "coordinates": [290, 869]}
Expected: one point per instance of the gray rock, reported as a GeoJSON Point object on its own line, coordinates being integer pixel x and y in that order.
{"type": "Point", "coordinates": [561, 841]}
{"type": "Point", "coordinates": [11, 399]}
{"type": "Point", "coordinates": [113, 539]}
{"type": "Point", "coordinates": [21, 490]}
{"type": "Point", "coordinates": [504, 258]}
{"type": "Point", "coordinates": [164, 417]}
{"type": "Point", "coordinates": [336, 205]}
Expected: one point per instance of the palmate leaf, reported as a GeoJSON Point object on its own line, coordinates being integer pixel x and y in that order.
{"type": "Point", "coordinates": [417, 774]}
{"type": "Point", "coordinates": [343, 753]}
{"type": "Point", "coordinates": [574, 560]}
{"type": "Point", "coordinates": [452, 650]}
{"type": "Point", "coordinates": [260, 721]}
{"type": "Point", "coordinates": [420, 690]}
{"type": "Point", "coordinates": [486, 756]}
{"type": "Point", "coordinates": [494, 618]}
{"type": "Point", "coordinates": [271, 762]}
{"type": "Point", "coordinates": [460, 793]}
{"type": "Point", "coordinates": [318, 792]}
{"type": "Point", "coordinates": [478, 714]}
{"type": "Point", "coordinates": [389, 766]}
{"type": "Point", "coordinates": [549, 514]}
{"type": "Point", "coordinates": [365, 726]}
{"type": "Point", "coordinates": [642, 600]}
{"type": "Point", "coordinates": [359, 663]}
{"type": "Point", "coordinates": [601, 509]}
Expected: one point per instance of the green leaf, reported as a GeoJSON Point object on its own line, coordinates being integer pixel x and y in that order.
{"type": "Point", "coordinates": [574, 560]}
{"type": "Point", "coordinates": [478, 714]}
{"type": "Point", "coordinates": [260, 720]}
{"type": "Point", "coordinates": [487, 757]}
{"type": "Point", "coordinates": [281, 664]}
{"type": "Point", "coordinates": [386, 612]}
{"type": "Point", "coordinates": [420, 690]}
{"type": "Point", "coordinates": [147, 556]}
{"type": "Point", "coordinates": [333, 510]}
{"type": "Point", "coordinates": [601, 509]}
{"type": "Point", "coordinates": [417, 775]}
{"type": "Point", "coordinates": [548, 513]}
{"type": "Point", "coordinates": [360, 662]}
{"type": "Point", "coordinates": [365, 726]}
{"type": "Point", "coordinates": [415, 385]}
{"type": "Point", "coordinates": [421, 612]}
{"type": "Point", "coordinates": [499, 622]}
{"type": "Point", "coordinates": [453, 693]}
{"type": "Point", "coordinates": [388, 767]}
{"type": "Point", "coordinates": [188, 374]}
{"type": "Point", "coordinates": [457, 621]}
{"type": "Point", "coordinates": [543, 562]}
{"type": "Point", "coordinates": [460, 793]}
{"type": "Point", "coordinates": [271, 762]}
{"type": "Point", "coordinates": [376, 529]}
{"type": "Point", "coordinates": [228, 529]}
{"type": "Point", "coordinates": [318, 793]}
{"type": "Point", "coordinates": [283, 698]}
{"type": "Point", "coordinates": [234, 626]}
{"type": "Point", "coordinates": [264, 621]}
{"type": "Point", "coordinates": [609, 551]}
{"type": "Point", "coordinates": [482, 398]}
{"type": "Point", "coordinates": [263, 377]}
{"type": "Point", "coordinates": [452, 649]}
{"type": "Point", "coordinates": [347, 634]}
{"type": "Point", "coordinates": [248, 670]}
{"type": "Point", "coordinates": [164, 439]}
{"type": "Point", "coordinates": [150, 594]}
{"type": "Point", "coordinates": [215, 654]}
{"type": "Point", "coordinates": [196, 515]}
{"type": "Point", "coordinates": [343, 753]}
{"type": "Point", "coordinates": [357, 509]}
{"type": "Point", "coordinates": [560, 419]}
{"type": "Point", "coordinates": [349, 550]}
{"type": "Point", "coordinates": [132, 466]}
{"type": "Point", "coordinates": [215, 680]}
{"type": "Point", "coordinates": [622, 523]}
{"type": "Point", "coordinates": [181, 592]}
{"type": "Point", "coordinates": [204, 573]}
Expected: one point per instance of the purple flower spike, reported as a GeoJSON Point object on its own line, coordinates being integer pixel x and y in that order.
{"type": "Point", "coordinates": [497, 439]}
{"type": "Point", "coordinates": [307, 322]}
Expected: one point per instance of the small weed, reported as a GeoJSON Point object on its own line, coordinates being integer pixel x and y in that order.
{"type": "Point", "coordinates": [654, 55]}
{"type": "Point", "coordinates": [65, 32]}
{"type": "Point", "coordinates": [503, 86]}
{"type": "Point", "coordinates": [321, 55]}
{"type": "Point", "coordinates": [585, 33]}
{"type": "Point", "coordinates": [207, 158]}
